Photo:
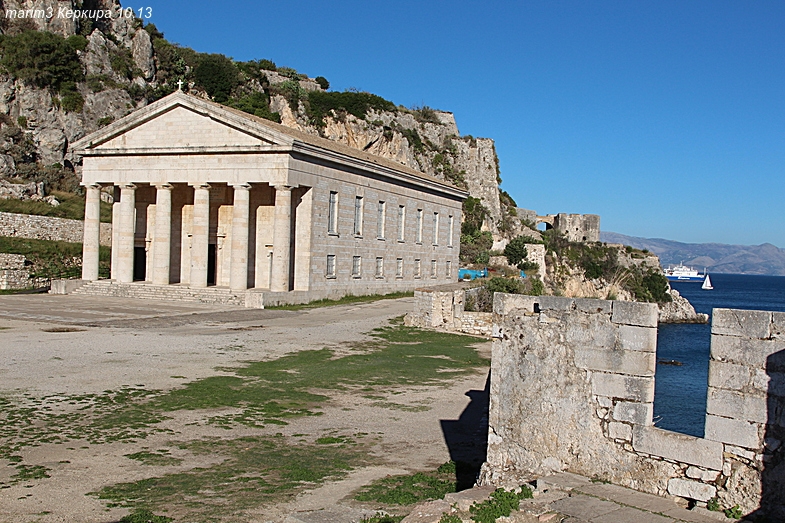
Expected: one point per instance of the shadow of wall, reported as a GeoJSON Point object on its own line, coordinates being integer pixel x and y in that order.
{"type": "Point", "coordinates": [773, 475]}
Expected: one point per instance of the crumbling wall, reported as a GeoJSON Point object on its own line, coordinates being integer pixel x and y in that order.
{"type": "Point", "coordinates": [572, 388]}
{"type": "Point", "coordinates": [442, 308]}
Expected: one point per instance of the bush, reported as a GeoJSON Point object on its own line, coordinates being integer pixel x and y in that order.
{"type": "Point", "coordinates": [71, 100]}
{"type": "Point", "coordinates": [516, 252]}
{"type": "Point", "coordinates": [321, 103]}
{"type": "Point", "coordinates": [217, 75]}
{"type": "Point", "coordinates": [323, 83]}
{"type": "Point", "coordinates": [257, 104]}
{"type": "Point", "coordinates": [40, 58]}
{"type": "Point", "coordinates": [474, 214]}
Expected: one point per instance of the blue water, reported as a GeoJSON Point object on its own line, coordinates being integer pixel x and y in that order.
{"type": "Point", "coordinates": [680, 391]}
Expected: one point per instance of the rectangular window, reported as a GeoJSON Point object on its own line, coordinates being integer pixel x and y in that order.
{"type": "Point", "coordinates": [399, 268]}
{"type": "Point", "coordinates": [379, 267]}
{"type": "Point", "coordinates": [433, 268]}
{"type": "Point", "coordinates": [332, 213]}
{"type": "Point", "coordinates": [380, 220]}
{"type": "Point", "coordinates": [417, 267]}
{"type": "Point", "coordinates": [419, 225]}
{"type": "Point", "coordinates": [448, 269]}
{"type": "Point", "coordinates": [331, 265]}
{"type": "Point", "coordinates": [436, 228]}
{"type": "Point", "coordinates": [451, 220]}
{"type": "Point", "coordinates": [358, 216]}
{"type": "Point", "coordinates": [356, 266]}
{"type": "Point", "coordinates": [401, 222]}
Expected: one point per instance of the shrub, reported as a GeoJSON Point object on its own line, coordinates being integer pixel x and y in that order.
{"type": "Point", "coordinates": [153, 31]}
{"type": "Point", "coordinates": [22, 122]}
{"type": "Point", "coordinates": [40, 58]}
{"type": "Point", "coordinates": [516, 252]}
{"type": "Point", "coordinates": [217, 75]}
{"type": "Point", "coordinates": [323, 83]}
{"type": "Point", "coordinates": [474, 214]}
{"type": "Point", "coordinates": [122, 62]}
{"type": "Point", "coordinates": [425, 114]}
{"type": "Point", "coordinates": [77, 42]}
{"type": "Point", "coordinates": [71, 100]}
{"type": "Point", "coordinates": [257, 104]}
{"type": "Point", "coordinates": [320, 104]}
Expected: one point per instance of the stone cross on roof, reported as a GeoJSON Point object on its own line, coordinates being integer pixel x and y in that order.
{"type": "Point", "coordinates": [179, 85]}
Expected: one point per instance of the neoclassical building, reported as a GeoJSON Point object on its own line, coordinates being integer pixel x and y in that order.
{"type": "Point", "coordinates": [208, 196]}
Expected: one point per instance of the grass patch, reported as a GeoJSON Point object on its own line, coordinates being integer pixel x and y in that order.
{"type": "Point", "coordinates": [383, 518]}
{"type": "Point", "coordinates": [501, 503]}
{"type": "Point", "coordinates": [254, 471]}
{"type": "Point", "coordinates": [29, 472]}
{"type": "Point", "coordinates": [407, 490]}
{"type": "Point", "coordinates": [71, 207]}
{"type": "Point", "coordinates": [156, 458]}
{"type": "Point", "coordinates": [346, 300]}
{"type": "Point", "coordinates": [144, 516]}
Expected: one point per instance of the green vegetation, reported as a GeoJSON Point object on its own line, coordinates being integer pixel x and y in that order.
{"type": "Point", "coordinates": [51, 259]}
{"type": "Point", "coordinates": [218, 75]}
{"type": "Point", "coordinates": [71, 207]}
{"type": "Point", "coordinates": [383, 518]}
{"type": "Point", "coordinates": [501, 503]}
{"type": "Point", "coordinates": [322, 81]}
{"type": "Point", "coordinates": [482, 299]}
{"type": "Point", "coordinates": [255, 470]}
{"type": "Point", "coordinates": [734, 512]}
{"type": "Point", "coordinates": [475, 243]}
{"type": "Point", "coordinates": [410, 489]}
{"type": "Point", "coordinates": [156, 458]}
{"type": "Point", "coordinates": [321, 104]}
{"type": "Point", "coordinates": [346, 300]}
{"type": "Point", "coordinates": [516, 252]}
{"type": "Point", "coordinates": [144, 516]}
{"type": "Point", "coordinates": [41, 59]}
{"type": "Point", "coordinates": [598, 260]}
{"type": "Point", "coordinates": [257, 104]}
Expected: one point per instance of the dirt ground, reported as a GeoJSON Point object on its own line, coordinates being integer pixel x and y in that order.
{"type": "Point", "coordinates": [69, 345]}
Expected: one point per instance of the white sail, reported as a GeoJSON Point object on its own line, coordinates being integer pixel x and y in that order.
{"type": "Point", "coordinates": [707, 284]}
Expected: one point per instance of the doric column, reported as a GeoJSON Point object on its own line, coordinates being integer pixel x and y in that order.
{"type": "Point", "coordinates": [238, 280]}
{"type": "Point", "coordinates": [200, 229]}
{"type": "Point", "coordinates": [92, 233]}
{"type": "Point", "coordinates": [115, 235]}
{"type": "Point", "coordinates": [282, 241]}
{"type": "Point", "coordinates": [125, 234]}
{"type": "Point", "coordinates": [162, 236]}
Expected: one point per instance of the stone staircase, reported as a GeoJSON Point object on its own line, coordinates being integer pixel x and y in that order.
{"type": "Point", "coordinates": [148, 291]}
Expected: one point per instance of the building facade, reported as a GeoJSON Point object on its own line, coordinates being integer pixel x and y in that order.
{"type": "Point", "coordinates": [206, 195]}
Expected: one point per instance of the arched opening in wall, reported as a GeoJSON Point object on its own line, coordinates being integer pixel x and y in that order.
{"type": "Point", "coordinates": [544, 226]}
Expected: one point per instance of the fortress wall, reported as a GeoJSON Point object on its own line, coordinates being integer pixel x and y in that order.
{"type": "Point", "coordinates": [47, 228]}
{"type": "Point", "coordinates": [572, 388]}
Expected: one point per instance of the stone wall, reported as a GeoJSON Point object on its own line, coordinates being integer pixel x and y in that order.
{"type": "Point", "coordinates": [578, 227]}
{"type": "Point", "coordinates": [47, 228]}
{"type": "Point", "coordinates": [442, 308]}
{"type": "Point", "coordinates": [13, 274]}
{"type": "Point", "coordinates": [572, 388]}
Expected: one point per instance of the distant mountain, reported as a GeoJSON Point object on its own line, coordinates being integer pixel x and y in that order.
{"type": "Point", "coordinates": [716, 257]}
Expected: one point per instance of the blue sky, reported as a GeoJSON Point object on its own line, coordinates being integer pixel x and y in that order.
{"type": "Point", "coordinates": [666, 118]}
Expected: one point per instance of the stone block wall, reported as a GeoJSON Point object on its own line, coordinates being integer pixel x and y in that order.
{"type": "Point", "coordinates": [13, 274]}
{"type": "Point", "coordinates": [48, 228]}
{"type": "Point", "coordinates": [572, 388]}
{"type": "Point", "coordinates": [442, 308]}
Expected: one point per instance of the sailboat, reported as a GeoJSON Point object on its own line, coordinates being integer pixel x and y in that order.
{"type": "Point", "coordinates": [707, 284]}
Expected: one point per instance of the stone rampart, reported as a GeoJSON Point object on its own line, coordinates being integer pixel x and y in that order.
{"type": "Point", "coordinates": [572, 388]}
{"type": "Point", "coordinates": [442, 308]}
{"type": "Point", "coordinates": [47, 228]}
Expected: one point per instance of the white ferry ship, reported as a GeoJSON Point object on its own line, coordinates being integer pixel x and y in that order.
{"type": "Point", "coordinates": [683, 273]}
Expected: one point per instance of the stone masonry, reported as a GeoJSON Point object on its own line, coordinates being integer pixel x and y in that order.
{"type": "Point", "coordinates": [441, 307]}
{"type": "Point", "coordinates": [13, 272]}
{"type": "Point", "coordinates": [572, 389]}
{"type": "Point", "coordinates": [48, 228]}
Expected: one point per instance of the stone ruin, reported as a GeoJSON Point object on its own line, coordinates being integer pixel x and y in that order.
{"type": "Point", "coordinates": [572, 389]}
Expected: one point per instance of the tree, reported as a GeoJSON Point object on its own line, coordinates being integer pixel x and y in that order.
{"type": "Point", "coordinates": [322, 81]}
{"type": "Point", "coordinates": [217, 75]}
{"type": "Point", "coordinates": [41, 59]}
{"type": "Point", "coordinates": [516, 252]}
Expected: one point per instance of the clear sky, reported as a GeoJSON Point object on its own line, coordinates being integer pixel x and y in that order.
{"type": "Point", "coordinates": [666, 118]}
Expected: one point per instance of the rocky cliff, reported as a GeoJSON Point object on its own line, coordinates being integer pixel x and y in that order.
{"type": "Point", "coordinates": [125, 65]}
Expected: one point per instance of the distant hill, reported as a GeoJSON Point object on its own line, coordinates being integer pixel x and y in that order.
{"type": "Point", "coordinates": [716, 257]}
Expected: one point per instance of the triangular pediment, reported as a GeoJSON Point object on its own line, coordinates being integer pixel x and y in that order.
{"type": "Point", "coordinates": [180, 121]}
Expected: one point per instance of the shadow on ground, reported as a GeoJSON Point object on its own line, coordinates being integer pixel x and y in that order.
{"type": "Point", "coordinates": [467, 437]}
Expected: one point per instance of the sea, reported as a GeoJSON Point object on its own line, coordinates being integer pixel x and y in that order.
{"type": "Point", "coordinates": [680, 390]}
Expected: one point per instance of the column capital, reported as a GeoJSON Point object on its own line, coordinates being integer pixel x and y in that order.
{"type": "Point", "coordinates": [93, 186]}
{"type": "Point", "coordinates": [281, 187]}
{"type": "Point", "coordinates": [127, 186]}
{"type": "Point", "coordinates": [163, 185]}
{"type": "Point", "coordinates": [241, 185]}
{"type": "Point", "coordinates": [200, 185]}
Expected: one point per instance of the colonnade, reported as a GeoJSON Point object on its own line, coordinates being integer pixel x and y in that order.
{"type": "Point", "coordinates": [123, 227]}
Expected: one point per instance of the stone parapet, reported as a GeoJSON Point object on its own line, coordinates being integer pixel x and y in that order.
{"type": "Point", "coordinates": [572, 388]}
{"type": "Point", "coordinates": [442, 307]}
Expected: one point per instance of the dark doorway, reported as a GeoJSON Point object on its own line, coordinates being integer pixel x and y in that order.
{"type": "Point", "coordinates": [140, 263]}
{"type": "Point", "coordinates": [211, 251]}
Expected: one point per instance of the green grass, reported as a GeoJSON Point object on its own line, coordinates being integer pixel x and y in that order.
{"type": "Point", "coordinates": [407, 490]}
{"type": "Point", "coordinates": [346, 300]}
{"type": "Point", "coordinates": [52, 259]}
{"type": "Point", "coordinates": [255, 470]}
{"type": "Point", "coordinates": [71, 207]}
{"type": "Point", "coordinates": [155, 458]}
{"type": "Point", "coordinates": [501, 503]}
